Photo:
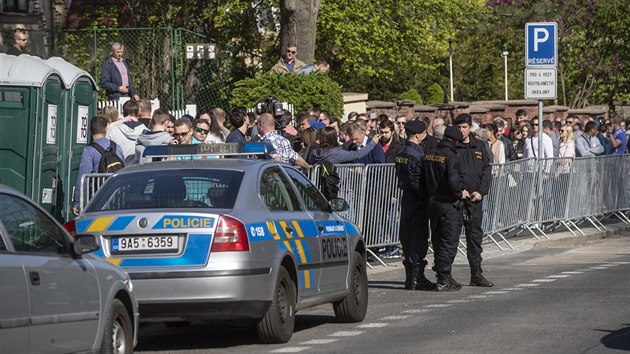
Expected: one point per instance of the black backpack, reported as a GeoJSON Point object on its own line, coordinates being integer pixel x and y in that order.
{"type": "Point", "coordinates": [328, 179]}
{"type": "Point", "coordinates": [110, 162]}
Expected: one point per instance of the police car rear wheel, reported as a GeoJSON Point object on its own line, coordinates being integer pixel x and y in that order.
{"type": "Point", "coordinates": [277, 324]}
{"type": "Point", "coordinates": [354, 306]}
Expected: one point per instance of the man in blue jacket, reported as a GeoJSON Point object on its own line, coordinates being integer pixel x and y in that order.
{"type": "Point", "coordinates": [116, 77]}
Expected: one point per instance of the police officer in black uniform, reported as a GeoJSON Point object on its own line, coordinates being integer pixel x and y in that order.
{"type": "Point", "coordinates": [477, 176]}
{"type": "Point", "coordinates": [444, 188]}
{"type": "Point", "coordinates": [414, 236]}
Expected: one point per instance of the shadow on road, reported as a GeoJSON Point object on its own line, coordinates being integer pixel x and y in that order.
{"type": "Point", "coordinates": [207, 335]}
{"type": "Point", "coordinates": [619, 339]}
{"type": "Point", "coordinates": [393, 285]}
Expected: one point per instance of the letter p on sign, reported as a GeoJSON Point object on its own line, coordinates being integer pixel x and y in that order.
{"type": "Point", "coordinates": [541, 44]}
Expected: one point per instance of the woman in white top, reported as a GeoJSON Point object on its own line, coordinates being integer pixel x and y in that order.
{"type": "Point", "coordinates": [567, 144]}
{"type": "Point", "coordinates": [215, 135]}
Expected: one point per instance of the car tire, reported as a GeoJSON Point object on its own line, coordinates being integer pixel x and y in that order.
{"type": "Point", "coordinates": [354, 306]}
{"type": "Point", "coordinates": [118, 336]}
{"type": "Point", "coordinates": [278, 323]}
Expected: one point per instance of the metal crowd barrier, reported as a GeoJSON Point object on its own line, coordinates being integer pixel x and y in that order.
{"type": "Point", "coordinates": [573, 191]}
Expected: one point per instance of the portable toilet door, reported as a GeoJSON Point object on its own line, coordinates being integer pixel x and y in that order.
{"type": "Point", "coordinates": [80, 105]}
{"type": "Point", "coordinates": [43, 119]}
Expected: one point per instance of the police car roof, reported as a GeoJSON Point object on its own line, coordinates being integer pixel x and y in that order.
{"type": "Point", "coordinates": [211, 163]}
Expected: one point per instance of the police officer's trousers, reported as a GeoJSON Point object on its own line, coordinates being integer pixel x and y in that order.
{"type": "Point", "coordinates": [446, 226]}
{"type": "Point", "coordinates": [474, 234]}
{"type": "Point", "coordinates": [413, 235]}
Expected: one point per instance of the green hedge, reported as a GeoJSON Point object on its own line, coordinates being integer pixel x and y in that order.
{"type": "Point", "coordinates": [303, 91]}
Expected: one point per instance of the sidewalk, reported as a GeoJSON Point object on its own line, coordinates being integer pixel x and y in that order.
{"type": "Point", "coordinates": [524, 242]}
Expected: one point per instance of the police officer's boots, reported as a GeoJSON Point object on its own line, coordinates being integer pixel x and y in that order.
{"type": "Point", "coordinates": [447, 283]}
{"type": "Point", "coordinates": [476, 278]}
{"type": "Point", "coordinates": [421, 282]}
{"type": "Point", "coordinates": [408, 274]}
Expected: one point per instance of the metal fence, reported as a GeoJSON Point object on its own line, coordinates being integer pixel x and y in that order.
{"type": "Point", "coordinates": [156, 58]}
{"type": "Point", "coordinates": [573, 191]}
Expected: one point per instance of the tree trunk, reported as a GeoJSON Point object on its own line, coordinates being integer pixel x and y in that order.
{"type": "Point", "coordinates": [298, 25]}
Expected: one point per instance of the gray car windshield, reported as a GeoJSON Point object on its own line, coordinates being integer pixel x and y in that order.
{"type": "Point", "coordinates": [169, 189]}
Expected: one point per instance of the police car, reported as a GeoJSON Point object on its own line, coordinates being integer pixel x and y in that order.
{"type": "Point", "coordinates": [228, 239]}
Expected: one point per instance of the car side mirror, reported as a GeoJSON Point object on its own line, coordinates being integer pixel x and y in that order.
{"type": "Point", "coordinates": [339, 204]}
{"type": "Point", "coordinates": [85, 244]}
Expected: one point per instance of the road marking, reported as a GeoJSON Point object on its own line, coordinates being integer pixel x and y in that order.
{"type": "Point", "coordinates": [458, 301]}
{"type": "Point", "coordinates": [511, 289]}
{"type": "Point", "coordinates": [608, 265]}
{"type": "Point", "coordinates": [393, 318]}
{"type": "Point", "coordinates": [559, 276]}
{"type": "Point", "coordinates": [598, 268]}
{"type": "Point", "coordinates": [479, 296]}
{"type": "Point", "coordinates": [346, 333]}
{"type": "Point", "coordinates": [319, 341]}
{"type": "Point", "coordinates": [290, 350]}
{"type": "Point", "coordinates": [438, 305]}
{"type": "Point", "coordinates": [528, 285]}
{"type": "Point", "coordinates": [620, 262]}
{"type": "Point", "coordinates": [496, 292]}
{"type": "Point", "coordinates": [373, 325]}
{"type": "Point", "coordinates": [543, 280]}
{"type": "Point", "coordinates": [571, 273]}
{"type": "Point", "coordinates": [416, 311]}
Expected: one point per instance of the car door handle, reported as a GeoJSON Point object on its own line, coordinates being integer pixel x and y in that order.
{"type": "Point", "coordinates": [320, 227]}
{"type": "Point", "coordinates": [34, 276]}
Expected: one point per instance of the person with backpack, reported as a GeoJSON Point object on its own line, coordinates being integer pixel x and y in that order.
{"type": "Point", "coordinates": [101, 156]}
{"type": "Point", "coordinates": [330, 153]}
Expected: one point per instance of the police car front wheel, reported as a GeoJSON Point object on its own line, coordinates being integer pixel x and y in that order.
{"type": "Point", "coordinates": [354, 306]}
{"type": "Point", "coordinates": [277, 324]}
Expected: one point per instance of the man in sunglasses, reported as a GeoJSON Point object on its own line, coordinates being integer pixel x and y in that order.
{"type": "Point", "coordinates": [19, 43]}
{"type": "Point", "coordinates": [200, 131]}
{"type": "Point", "coordinates": [289, 63]}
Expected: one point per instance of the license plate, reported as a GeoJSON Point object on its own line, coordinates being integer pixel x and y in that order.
{"type": "Point", "coordinates": [144, 243]}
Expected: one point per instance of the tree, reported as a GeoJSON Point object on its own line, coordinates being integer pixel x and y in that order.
{"type": "Point", "coordinates": [298, 25]}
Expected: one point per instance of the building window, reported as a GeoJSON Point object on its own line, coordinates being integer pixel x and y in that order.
{"type": "Point", "coordinates": [14, 6]}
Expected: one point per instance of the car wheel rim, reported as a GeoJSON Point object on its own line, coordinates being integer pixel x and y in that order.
{"type": "Point", "coordinates": [118, 337]}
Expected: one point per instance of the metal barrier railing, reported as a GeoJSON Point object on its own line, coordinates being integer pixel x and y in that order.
{"type": "Point", "coordinates": [573, 191]}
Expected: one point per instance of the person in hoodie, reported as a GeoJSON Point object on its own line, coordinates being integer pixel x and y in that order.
{"type": "Point", "coordinates": [330, 150]}
{"type": "Point", "coordinates": [126, 135]}
{"type": "Point", "coordinates": [155, 135]}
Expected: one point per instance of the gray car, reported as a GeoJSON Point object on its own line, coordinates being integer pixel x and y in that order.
{"type": "Point", "coordinates": [54, 296]}
{"type": "Point", "coordinates": [229, 239]}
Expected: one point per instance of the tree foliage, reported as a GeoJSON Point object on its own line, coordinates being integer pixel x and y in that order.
{"type": "Point", "coordinates": [304, 91]}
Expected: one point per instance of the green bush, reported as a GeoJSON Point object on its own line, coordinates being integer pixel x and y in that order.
{"type": "Point", "coordinates": [303, 91]}
{"type": "Point", "coordinates": [411, 94]}
{"type": "Point", "coordinates": [435, 94]}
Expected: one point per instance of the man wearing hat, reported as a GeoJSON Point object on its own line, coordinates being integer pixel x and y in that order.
{"type": "Point", "coordinates": [476, 176]}
{"type": "Point", "coordinates": [414, 231]}
{"type": "Point", "coordinates": [441, 170]}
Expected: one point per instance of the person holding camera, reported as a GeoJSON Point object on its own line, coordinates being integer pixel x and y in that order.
{"type": "Point", "coordinates": [476, 175]}
{"type": "Point", "coordinates": [444, 188]}
{"type": "Point", "coordinates": [282, 146]}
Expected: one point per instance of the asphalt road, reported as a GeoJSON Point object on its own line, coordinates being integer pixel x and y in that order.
{"type": "Point", "coordinates": [568, 297]}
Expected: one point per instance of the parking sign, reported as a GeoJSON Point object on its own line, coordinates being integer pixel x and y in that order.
{"type": "Point", "coordinates": [541, 44]}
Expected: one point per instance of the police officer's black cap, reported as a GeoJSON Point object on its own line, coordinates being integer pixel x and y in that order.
{"type": "Point", "coordinates": [453, 132]}
{"type": "Point", "coordinates": [416, 126]}
{"type": "Point", "coordinates": [463, 118]}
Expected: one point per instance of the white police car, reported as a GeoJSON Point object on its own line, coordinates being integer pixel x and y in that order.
{"type": "Point", "coordinates": [224, 239]}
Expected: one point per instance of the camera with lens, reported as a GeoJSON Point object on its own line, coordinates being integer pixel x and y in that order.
{"type": "Point", "coordinates": [272, 106]}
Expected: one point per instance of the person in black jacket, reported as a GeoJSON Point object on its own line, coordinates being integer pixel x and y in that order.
{"type": "Point", "coordinates": [413, 232]}
{"type": "Point", "coordinates": [444, 188]}
{"type": "Point", "coordinates": [476, 176]}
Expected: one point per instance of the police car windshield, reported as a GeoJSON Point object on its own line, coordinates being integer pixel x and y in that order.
{"type": "Point", "coordinates": [169, 189]}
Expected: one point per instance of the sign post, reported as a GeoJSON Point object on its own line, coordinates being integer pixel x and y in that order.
{"type": "Point", "coordinates": [541, 60]}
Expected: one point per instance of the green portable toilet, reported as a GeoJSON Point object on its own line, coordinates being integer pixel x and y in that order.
{"type": "Point", "coordinates": [79, 97]}
{"type": "Point", "coordinates": [31, 114]}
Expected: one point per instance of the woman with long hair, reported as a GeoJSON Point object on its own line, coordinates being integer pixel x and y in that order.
{"type": "Point", "coordinates": [517, 141]}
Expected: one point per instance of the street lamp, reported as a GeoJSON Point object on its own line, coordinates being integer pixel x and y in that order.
{"type": "Point", "coordinates": [505, 54]}
{"type": "Point", "coordinates": [450, 59]}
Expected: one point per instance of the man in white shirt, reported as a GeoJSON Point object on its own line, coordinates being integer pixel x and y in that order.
{"type": "Point", "coordinates": [531, 143]}
{"type": "Point", "coordinates": [588, 144]}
